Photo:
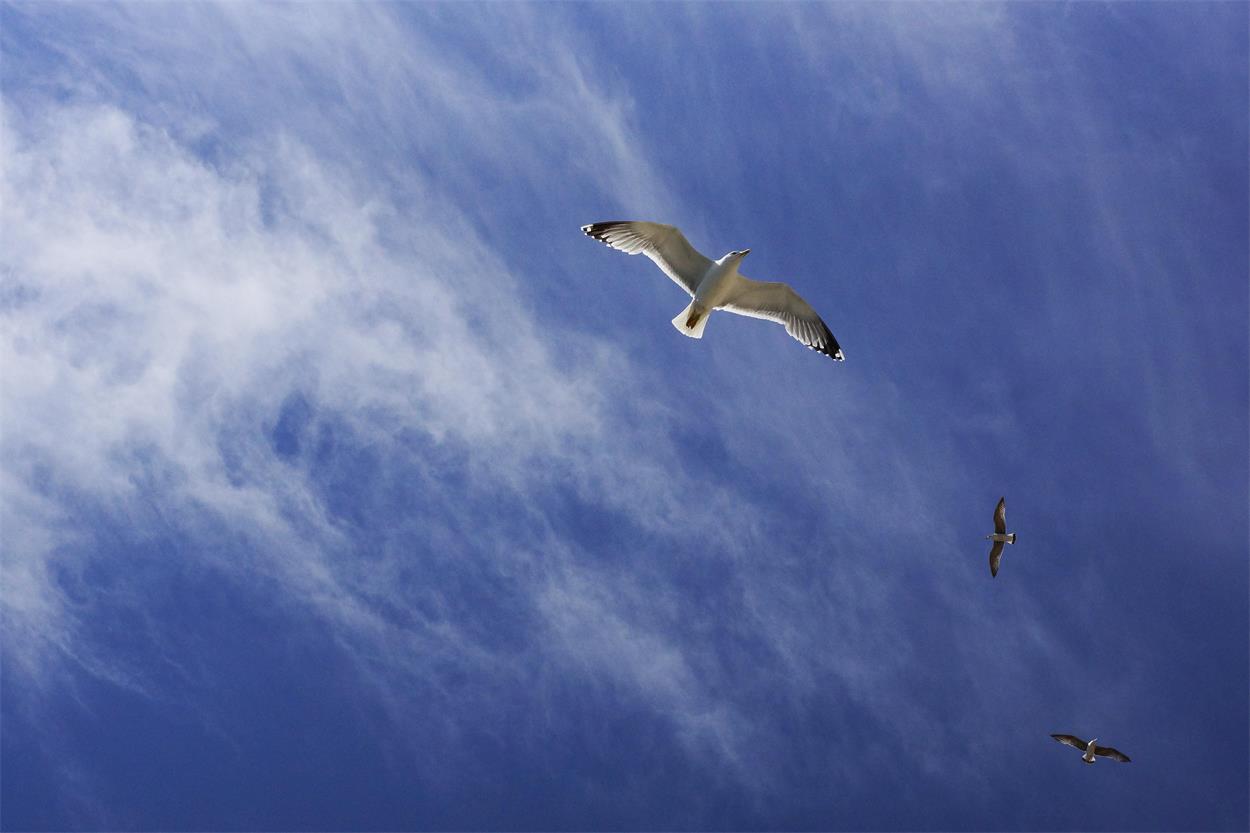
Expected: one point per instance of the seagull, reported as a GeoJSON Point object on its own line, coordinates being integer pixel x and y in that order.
{"type": "Point", "coordinates": [1091, 750]}
{"type": "Point", "coordinates": [716, 284]}
{"type": "Point", "coordinates": [1000, 536]}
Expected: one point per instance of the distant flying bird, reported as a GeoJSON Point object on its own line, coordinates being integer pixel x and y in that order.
{"type": "Point", "coordinates": [716, 284]}
{"type": "Point", "coordinates": [1091, 750]}
{"type": "Point", "coordinates": [1000, 536]}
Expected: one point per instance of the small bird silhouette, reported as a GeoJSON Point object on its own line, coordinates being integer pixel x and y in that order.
{"type": "Point", "coordinates": [1000, 536]}
{"type": "Point", "coordinates": [1091, 750]}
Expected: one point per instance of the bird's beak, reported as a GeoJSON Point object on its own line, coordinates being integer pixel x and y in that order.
{"type": "Point", "coordinates": [746, 252]}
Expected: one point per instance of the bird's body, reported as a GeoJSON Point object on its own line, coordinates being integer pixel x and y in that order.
{"type": "Point", "coordinates": [1090, 749]}
{"type": "Point", "coordinates": [1000, 536]}
{"type": "Point", "coordinates": [716, 284]}
{"type": "Point", "coordinates": [719, 285]}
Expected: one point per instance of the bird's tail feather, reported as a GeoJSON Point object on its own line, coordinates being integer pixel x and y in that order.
{"type": "Point", "coordinates": [691, 321]}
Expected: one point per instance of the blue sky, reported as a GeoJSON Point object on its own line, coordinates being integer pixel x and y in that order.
{"type": "Point", "coordinates": [348, 486]}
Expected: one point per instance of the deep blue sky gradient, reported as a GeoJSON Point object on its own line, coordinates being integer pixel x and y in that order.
{"type": "Point", "coordinates": [349, 487]}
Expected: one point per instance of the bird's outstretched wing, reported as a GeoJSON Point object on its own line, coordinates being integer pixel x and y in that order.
{"type": "Point", "coordinates": [665, 245]}
{"type": "Point", "coordinates": [1000, 517]}
{"type": "Point", "coordinates": [778, 302]}
{"type": "Point", "coordinates": [1113, 754]}
{"type": "Point", "coordinates": [1071, 740]}
{"type": "Point", "coordinates": [996, 555]}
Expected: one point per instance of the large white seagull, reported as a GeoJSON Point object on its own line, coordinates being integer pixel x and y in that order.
{"type": "Point", "coordinates": [716, 284]}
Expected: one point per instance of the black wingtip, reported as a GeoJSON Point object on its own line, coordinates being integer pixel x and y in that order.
{"type": "Point", "coordinates": [597, 230]}
{"type": "Point", "coordinates": [604, 225]}
{"type": "Point", "coordinates": [831, 347]}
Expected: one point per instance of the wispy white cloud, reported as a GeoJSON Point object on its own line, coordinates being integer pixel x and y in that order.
{"type": "Point", "coordinates": [161, 309]}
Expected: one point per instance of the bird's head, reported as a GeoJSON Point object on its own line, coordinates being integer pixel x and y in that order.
{"type": "Point", "coordinates": [1092, 741]}
{"type": "Point", "coordinates": [735, 256]}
